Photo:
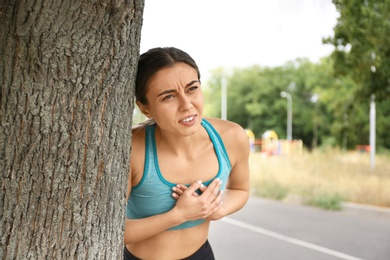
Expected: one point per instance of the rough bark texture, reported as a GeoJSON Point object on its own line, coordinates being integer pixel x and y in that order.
{"type": "Point", "coordinates": [66, 74]}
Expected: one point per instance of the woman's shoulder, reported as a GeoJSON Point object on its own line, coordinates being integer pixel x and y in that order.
{"type": "Point", "coordinates": [139, 130]}
{"type": "Point", "coordinates": [230, 132]}
{"type": "Point", "coordinates": [137, 146]}
{"type": "Point", "coordinates": [233, 136]}
{"type": "Point", "coordinates": [138, 134]}
{"type": "Point", "coordinates": [225, 127]}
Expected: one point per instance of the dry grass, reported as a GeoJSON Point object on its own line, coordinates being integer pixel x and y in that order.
{"type": "Point", "coordinates": [328, 176]}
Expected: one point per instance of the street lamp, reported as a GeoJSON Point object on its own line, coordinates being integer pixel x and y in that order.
{"type": "Point", "coordinates": [372, 131]}
{"type": "Point", "coordinates": [223, 98]}
{"type": "Point", "coordinates": [289, 113]}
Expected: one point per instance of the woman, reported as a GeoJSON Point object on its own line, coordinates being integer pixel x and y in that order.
{"type": "Point", "coordinates": [185, 170]}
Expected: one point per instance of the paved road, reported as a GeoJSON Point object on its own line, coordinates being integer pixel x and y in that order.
{"type": "Point", "coordinates": [273, 230]}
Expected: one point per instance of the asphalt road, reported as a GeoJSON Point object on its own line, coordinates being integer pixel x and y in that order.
{"type": "Point", "coordinates": [273, 230]}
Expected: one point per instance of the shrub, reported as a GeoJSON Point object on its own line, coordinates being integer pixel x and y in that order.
{"type": "Point", "coordinates": [271, 189]}
{"type": "Point", "coordinates": [328, 201]}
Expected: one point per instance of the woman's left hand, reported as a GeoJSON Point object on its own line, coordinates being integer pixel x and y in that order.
{"type": "Point", "coordinates": [180, 188]}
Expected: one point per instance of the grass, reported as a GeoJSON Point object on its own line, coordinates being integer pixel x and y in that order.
{"type": "Point", "coordinates": [322, 178]}
{"type": "Point", "coordinates": [271, 189]}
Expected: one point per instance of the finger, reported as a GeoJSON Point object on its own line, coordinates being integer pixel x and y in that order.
{"type": "Point", "coordinates": [216, 205]}
{"type": "Point", "coordinates": [175, 195]}
{"type": "Point", "coordinates": [179, 189]}
{"type": "Point", "coordinates": [182, 187]}
{"type": "Point", "coordinates": [202, 188]}
{"type": "Point", "coordinates": [218, 198]}
{"type": "Point", "coordinates": [215, 215]}
{"type": "Point", "coordinates": [212, 190]}
{"type": "Point", "coordinates": [193, 187]}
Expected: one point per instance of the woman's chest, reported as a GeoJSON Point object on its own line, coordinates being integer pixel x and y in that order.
{"type": "Point", "coordinates": [178, 169]}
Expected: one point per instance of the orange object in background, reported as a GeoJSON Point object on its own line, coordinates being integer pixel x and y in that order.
{"type": "Point", "coordinates": [270, 142]}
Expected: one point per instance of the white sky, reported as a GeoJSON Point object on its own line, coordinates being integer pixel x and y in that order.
{"type": "Point", "coordinates": [240, 33]}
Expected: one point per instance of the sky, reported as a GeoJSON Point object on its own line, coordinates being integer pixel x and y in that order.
{"type": "Point", "coordinates": [239, 34]}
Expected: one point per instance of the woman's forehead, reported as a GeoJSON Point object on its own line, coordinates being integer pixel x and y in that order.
{"type": "Point", "coordinates": [178, 73]}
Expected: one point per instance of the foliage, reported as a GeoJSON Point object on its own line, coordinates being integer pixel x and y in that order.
{"type": "Point", "coordinates": [325, 108]}
{"type": "Point", "coordinates": [362, 45]}
{"type": "Point", "coordinates": [362, 55]}
{"type": "Point", "coordinates": [254, 99]}
{"type": "Point", "coordinates": [328, 201]}
{"type": "Point", "coordinates": [271, 189]}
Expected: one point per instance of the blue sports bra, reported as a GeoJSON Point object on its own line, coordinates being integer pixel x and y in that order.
{"type": "Point", "coordinates": [152, 195]}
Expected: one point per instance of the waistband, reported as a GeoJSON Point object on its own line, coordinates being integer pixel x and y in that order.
{"type": "Point", "coordinates": [205, 252]}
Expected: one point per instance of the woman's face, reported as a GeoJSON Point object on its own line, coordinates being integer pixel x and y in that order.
{"type": "Point", "coordinates": [175, 99]}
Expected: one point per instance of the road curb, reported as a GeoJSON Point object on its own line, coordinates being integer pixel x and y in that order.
{"type": "Point", "coordinates": [366, 208]}
{"type": "Point", "coordinates": [295, 199]}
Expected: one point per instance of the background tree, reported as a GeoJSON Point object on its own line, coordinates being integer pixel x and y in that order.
{"type": "Point", "coordinates": [67, 74]}
{"type": "Point", "coordinates": [362, 52]}
{"type": "Point", "coordinates": [325, 109]}
{"type": "Point", "coordinates": [362, 45]}
{"type": "Point", "coordinates": [254, 99]}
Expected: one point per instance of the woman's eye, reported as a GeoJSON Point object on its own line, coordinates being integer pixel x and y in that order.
{"type": "Point", "coordinates": [193, 88]}
{"type": "Point", "coordinates": [167, 97]}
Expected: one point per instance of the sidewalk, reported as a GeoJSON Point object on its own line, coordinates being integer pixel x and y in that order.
{"type": "Point", "coordinates": [366, 208]}
{"type": "Point", "coordinates": [363, 208]}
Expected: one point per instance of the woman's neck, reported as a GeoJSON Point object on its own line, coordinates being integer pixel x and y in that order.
{"type": "Point", "coordinates": [181, 145]}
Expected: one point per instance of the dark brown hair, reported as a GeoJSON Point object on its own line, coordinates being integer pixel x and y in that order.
{"type": "Point", "coordinates": [154, 60]}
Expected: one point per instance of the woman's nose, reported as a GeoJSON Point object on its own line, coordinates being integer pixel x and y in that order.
{"type": "Point", "coordinates": [185, 103]}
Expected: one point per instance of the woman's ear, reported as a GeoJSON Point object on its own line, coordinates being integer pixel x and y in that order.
{"type": "Point", "coordinates": [143, 109]}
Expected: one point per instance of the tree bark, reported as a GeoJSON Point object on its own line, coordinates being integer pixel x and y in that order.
{"type": "Point", "coordinates": [67, 75]}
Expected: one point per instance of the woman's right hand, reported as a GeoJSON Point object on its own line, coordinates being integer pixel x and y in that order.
{"type": "Point", "coordinates": [193, 206]}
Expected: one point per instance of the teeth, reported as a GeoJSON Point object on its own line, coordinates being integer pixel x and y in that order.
{"type": "Point", "coordinates": [188, 119]}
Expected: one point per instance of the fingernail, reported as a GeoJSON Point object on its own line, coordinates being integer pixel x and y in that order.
{"type": "Point", "coordinates": [199, 182]}
{"type": "Point", "coordinates": [174, 188]}
{"type": "Point", "coordinates": [201, 185]}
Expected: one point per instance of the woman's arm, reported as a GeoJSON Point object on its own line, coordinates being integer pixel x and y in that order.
{"type": "Point", "coordinates": [237, 189]}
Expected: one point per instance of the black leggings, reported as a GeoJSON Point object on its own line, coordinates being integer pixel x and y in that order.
{"type": "Point", "coordinates": [205, 252]}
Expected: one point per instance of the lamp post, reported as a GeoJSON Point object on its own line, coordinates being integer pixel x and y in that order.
{"type": "Point", "coordinates": [289, 113]}
{"type": "Point", "coordinates": [372, 131]}
{"type": "Point", "coordinates": [223, 98]}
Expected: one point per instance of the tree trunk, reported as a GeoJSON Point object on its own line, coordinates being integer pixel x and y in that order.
{"type": "Point", "coordinates": [67, 74]}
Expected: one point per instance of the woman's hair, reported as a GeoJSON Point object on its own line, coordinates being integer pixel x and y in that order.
{"type": "Point", "coordinates": [153, 61]}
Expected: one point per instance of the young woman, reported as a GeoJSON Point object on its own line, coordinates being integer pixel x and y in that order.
{"type": "Point", "coordinates": [185, 170]}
